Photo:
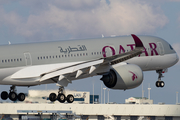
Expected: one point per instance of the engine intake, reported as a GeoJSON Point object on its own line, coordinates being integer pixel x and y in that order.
{"type": "Point", "coordinates": [110, 79]}
{"type": "Point", "coordinates": [126, 76]}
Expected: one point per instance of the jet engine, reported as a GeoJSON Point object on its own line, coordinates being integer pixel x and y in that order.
{"type": "Point", "coordinates": [126, 76]}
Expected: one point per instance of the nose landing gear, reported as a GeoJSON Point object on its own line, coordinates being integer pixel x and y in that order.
{"type": "Point", "coordinates": [160, 83]}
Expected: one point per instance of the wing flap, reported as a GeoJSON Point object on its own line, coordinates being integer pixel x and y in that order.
{"type": "Point", "coordinates": [38, 70]}
{"type": "Point", "coordinates": [70, 70]}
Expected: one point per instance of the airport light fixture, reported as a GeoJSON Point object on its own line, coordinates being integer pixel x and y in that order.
{"type": "Point", "coordinates": [176, 97]}
{"type": "Point", "coordinates": [108, 94]}
{"type": "Point", "coordinates": [104, 94]}
{"type": "Point", "coordinates": [149, 92]}
{"type": "Point", "coordinates": [101, 93]}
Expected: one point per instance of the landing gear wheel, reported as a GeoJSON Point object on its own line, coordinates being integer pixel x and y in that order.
{"type": "Point", "coordinates": [52, 97]}
{"type": "Point", "coordinates": [162, 84]}
{"type": "Point", "coordinates": [70, 98]}
{"type": "Point", "coordinates": [21, 96]}
{"type": "Point", "coordinates": [4, 95]}
{"type": "Point", "coordinates": [157, 83]}
{"type": "Point", "coordinates": [61, 98]}
{"type": "Point", "coordinates": [13, 96]}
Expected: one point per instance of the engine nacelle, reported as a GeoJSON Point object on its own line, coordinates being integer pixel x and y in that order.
{"type": "Point", "coordinates": [124, 77]}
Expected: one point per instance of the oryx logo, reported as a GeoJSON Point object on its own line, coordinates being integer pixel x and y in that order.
{"type": "Point", "coordinates": [134, 76]}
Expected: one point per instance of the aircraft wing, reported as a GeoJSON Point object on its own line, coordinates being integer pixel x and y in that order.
{"type": "Point", "coordinates": [73, 71]}
{"type": "Point", "coordinates": [77, 70]}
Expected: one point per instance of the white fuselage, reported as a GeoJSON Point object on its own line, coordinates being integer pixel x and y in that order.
{"type": "Point", "coordinates": [23, 65]}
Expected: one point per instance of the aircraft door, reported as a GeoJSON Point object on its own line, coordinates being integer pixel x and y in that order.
{"type": "Point", "coordinates": [28, 59]}
{"type": "Point", "coordinates": [161, 48]}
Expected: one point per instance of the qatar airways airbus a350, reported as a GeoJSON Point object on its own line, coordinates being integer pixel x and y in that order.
{"type": "Point", "coordinates": [119, 60]}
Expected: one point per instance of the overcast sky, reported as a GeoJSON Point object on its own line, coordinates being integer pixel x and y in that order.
{"type": "Point", "coordinates": [44, 20]}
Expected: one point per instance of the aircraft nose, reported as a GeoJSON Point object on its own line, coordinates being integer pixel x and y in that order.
{"type": "Point", "coordinates": [177, 58]}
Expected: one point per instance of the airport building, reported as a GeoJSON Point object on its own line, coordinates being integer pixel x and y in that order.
{"type": "Point", "coordinates": [135, 109]}
{"type": "Point", "coordinates": [138, 100]}
{"type": "Point", "coordinates": [42, 96]}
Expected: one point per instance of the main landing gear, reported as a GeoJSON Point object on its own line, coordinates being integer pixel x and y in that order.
{"type": "Point", "coordinates": [61, 97]}
{"type": "Point", "coordinates": [160, 83]}
{"type": "Point", "coordinates": [12, 95]}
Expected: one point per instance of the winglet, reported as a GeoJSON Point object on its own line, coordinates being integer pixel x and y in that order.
{"type": "Point", "coordinates": [137, 41]}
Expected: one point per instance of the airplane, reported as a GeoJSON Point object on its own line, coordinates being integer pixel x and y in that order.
{"type": "Point", "coordinates": [119, 60]}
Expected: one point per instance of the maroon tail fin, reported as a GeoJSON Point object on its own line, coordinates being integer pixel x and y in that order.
{"type": "Point", "coordinates": [137, 41]}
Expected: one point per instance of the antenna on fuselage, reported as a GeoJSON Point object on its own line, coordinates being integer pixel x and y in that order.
{"type": "Point", "coordinates": [102, 36]}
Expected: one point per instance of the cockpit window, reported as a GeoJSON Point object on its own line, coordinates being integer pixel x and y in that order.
{"type": "Point", "coordinates": [171, 47]}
